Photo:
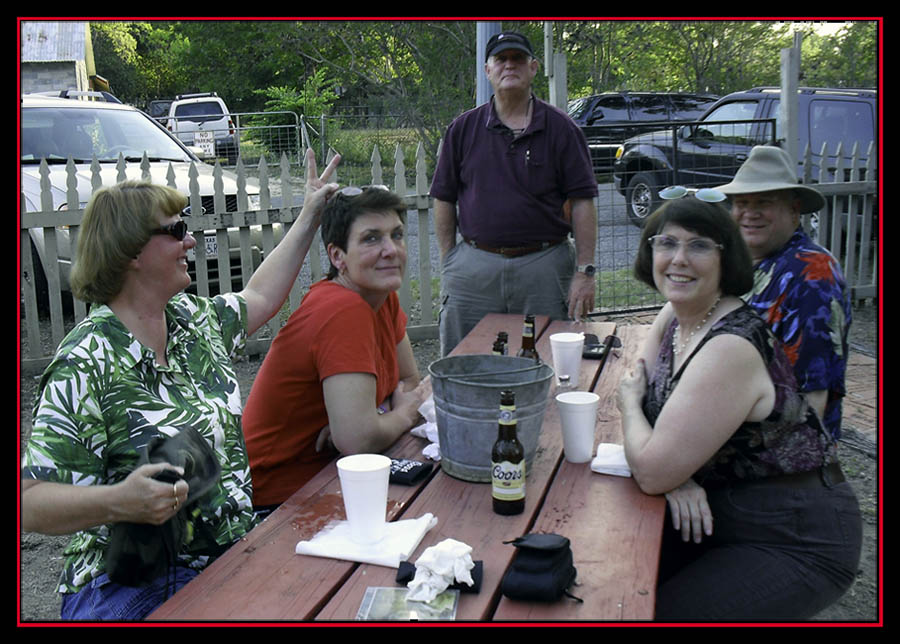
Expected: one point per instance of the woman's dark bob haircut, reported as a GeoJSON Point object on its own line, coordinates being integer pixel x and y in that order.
{"type": "Point", "coordinates": [708, 220]}
{"type": "Point", "coordinates": [341, 211]}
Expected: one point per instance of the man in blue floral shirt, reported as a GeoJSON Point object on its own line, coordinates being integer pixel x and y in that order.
{"type": "Point", "coordinates": [799, 288]}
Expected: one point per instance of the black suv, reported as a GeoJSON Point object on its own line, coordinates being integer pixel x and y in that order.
{"type": "Point", "coordinates": [709, 151]}
{"type": "Point", "coordinates": [610, 118]}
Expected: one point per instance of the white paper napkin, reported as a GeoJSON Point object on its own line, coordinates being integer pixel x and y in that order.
{"type": "Point", "coordinates": [438, 567]}
{"type": "Point", "coordinates": [400, 540]}
{"type": "Point", "coordinates": [610, 459]}
{"type": "Point", "coordinates": [429, 430]}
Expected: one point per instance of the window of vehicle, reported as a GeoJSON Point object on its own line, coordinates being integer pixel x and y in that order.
{"type": "Point", "coordinates": [730, 132]}
{"type": "Point", "coordinates": [159, 109]}
{"type": "Point", "coordinates": [610, 108]}
{"type": "Point", "coordinates": [649, 108]}
{"type": "Point", "coordinates": [577, 107]}
{"type": "Point", "coordinates": [689, 107]}
{"type": "Point", "coordinates": [832, 122]}
{"type": "Point", "coordinates": [58, 133]}
{"type": "Point", "coordinates": [204, 111]}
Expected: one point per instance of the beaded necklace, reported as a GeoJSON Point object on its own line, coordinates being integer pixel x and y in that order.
{"type": "Point", "coordinates": [675, 348]}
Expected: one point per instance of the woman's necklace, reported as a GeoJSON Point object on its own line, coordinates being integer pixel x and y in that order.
{"type": "Point", "coordinates": [678, 350]}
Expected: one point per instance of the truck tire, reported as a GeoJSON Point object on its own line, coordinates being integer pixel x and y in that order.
{"type": "Point", "coordinates": [641, 198]}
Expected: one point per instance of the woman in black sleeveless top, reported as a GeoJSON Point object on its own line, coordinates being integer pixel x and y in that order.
{"type": "Point", "coordinates": [764, 527]}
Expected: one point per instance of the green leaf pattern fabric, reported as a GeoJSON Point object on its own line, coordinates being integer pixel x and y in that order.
{"type": "Point", "coordinates": [104, 396]}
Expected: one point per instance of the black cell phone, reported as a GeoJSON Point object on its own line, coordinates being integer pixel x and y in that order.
{"type": "Point", "coordinates": [593, 348]}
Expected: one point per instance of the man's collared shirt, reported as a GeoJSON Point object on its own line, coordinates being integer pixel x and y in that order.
{"type": "Point", "coordinates": [509, 189]}
{"type": "Point", "coordinates": [801, 293]}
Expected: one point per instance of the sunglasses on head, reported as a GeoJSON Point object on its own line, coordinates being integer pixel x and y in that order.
{"type": "Point", "coordinates": [703, 194]}
{"type": "Point", "coordinates": [353, 191]}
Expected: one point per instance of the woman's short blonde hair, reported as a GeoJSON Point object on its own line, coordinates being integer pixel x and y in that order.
{"type": "Point", "coordinates": [117, 223]}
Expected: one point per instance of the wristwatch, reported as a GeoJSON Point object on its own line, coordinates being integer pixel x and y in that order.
{"type": "Point", "coordinates": [587, 269]}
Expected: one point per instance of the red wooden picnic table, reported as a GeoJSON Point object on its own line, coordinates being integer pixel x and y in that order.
{"type": "Point", "coordinates": [615, 529]}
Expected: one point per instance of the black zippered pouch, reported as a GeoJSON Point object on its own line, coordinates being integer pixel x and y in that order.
{"type": "Point", "coordinates": [542, 570]}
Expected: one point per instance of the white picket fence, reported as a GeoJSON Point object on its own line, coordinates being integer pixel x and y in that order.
{"type": "Point", "coordinates": [848, 225]}
{"type": "Point", "coordinates": [266, 223]}
{"type": "Point", "coordinates": [855, 195]}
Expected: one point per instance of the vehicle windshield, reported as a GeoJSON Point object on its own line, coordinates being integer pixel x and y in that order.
{"type": "Point", "coordinates": [577, 107]}
{"type": "Point", "coordinates": [57, 133]}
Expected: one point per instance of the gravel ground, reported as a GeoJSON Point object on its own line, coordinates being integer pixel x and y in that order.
{"type": "Point", "coordinates": [41, 561]}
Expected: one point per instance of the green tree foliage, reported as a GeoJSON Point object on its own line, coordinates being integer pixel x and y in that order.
{"type": "Point", "coordinates": [848, 58]}
{"type": "Point", "coordinates": [141, 60]}
{"type": "Point", "coordinates": [712, 56]}
{"type": "Point", "coordinates": [423, 71]}
{"type": "Point", "coordinates": [313, 100]}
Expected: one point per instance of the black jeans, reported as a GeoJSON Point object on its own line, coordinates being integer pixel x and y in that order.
{"type": "Point", "coordinates": [777, 553]}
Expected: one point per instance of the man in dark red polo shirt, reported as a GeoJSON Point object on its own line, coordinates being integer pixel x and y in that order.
{"type": "Point", "coordinates": [505, 174]}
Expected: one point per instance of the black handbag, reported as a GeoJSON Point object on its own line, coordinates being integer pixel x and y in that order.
{"type": "Point", "coordinates": [138, 553]}
{"type": "Point", "coordinates": [542, 570]}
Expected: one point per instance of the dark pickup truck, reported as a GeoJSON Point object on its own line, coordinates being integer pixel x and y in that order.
{"type": "Point", "coordinates": [709, 151]}
{"type": "Point", "coordinates": [608, 119]}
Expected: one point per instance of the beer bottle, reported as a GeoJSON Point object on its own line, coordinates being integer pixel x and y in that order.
{"type": "Point", "coordinates": [528, 350]}
{"type": "Point", "coordinates": [500, 344]}
{"type": "Point", "coordinates": [508, 461]}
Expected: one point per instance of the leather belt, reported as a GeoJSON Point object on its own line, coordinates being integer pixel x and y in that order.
{"type": "Point", "coordinates": [514, 251]}
{"type": "Point", "coordinates": [827, 476]}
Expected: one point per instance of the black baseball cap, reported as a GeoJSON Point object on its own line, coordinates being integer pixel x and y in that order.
{"type": "Point", "coordinates": [507, 40]}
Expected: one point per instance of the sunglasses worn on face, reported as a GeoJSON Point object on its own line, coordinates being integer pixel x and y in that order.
{"type": "Point", "coordinates": [178, 230]}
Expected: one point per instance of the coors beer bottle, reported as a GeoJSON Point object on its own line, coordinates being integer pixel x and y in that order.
{"type": "Point", "coordinates": [508, 461]}
{"type": "Point", "coordinates": [528, 350]}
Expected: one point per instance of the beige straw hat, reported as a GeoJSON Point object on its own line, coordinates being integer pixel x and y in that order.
{"type": "Point", "coordinates": [771, 168]}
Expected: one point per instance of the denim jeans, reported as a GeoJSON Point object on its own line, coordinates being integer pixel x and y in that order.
{"type": "Point", "coordinates": [104, 600]}
{"type": "Point", "coordinates": [777, 553]}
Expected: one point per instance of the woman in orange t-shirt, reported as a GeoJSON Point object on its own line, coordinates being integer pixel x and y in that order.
{"type": "Point", "coordinates": [340, 377]}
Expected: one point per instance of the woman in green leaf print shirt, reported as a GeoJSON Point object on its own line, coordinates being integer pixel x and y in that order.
{"type": "Point", "coordinates": [148, 361]}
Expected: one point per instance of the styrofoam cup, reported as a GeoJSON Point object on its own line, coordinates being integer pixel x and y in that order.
{"type": "Point", "coordinates": [567, 349]}
{"type": "Point", "coordinates": [578, 417]}
{"type": "Point", "coordinates": [364, 485]}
